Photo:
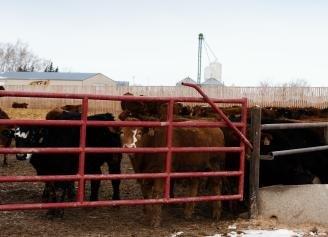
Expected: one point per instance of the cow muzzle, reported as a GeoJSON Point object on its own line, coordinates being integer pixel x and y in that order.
{"type": "Point", "coordinates": [132, 145]}
{"type": "Point", "coordinates": [21, 156]}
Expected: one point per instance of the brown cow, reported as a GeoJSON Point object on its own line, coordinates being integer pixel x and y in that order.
{"type": "Point", "coordinates": [151, 110]}
{"type": "Point", "coordinates": [72, 108]}
{"type": "Point", "coordinates": [203, 111]}
{"type": "Point", "coordinates": [56, 113]}
{"type": "Point", "coordinates": [181, 162]}
{"type": "Point", "coordinates": [4, 140]}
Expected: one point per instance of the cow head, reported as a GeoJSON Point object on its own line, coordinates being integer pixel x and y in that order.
{"type": "Point", "coordinates": [131, 135]}
{"type": "Point", "coordinates": [25, 137]}
{"type": "Point", "coordinates": [266, 139]}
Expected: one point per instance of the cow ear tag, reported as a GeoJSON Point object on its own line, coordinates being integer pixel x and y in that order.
{"type": "Point", "coordinates": [151, 132]}
{"type": "Point", "coordinates": [40, 140]}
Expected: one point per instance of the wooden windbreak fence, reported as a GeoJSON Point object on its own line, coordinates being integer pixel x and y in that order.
{"type": "Point", "coordinates": [294, 97]}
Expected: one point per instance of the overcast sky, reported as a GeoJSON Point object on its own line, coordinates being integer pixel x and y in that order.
{"type": "Point", "coordinates": [156, 42]}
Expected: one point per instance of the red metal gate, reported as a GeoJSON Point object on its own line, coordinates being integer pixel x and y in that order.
{"type": "Point", "coordinates": [238, 127]}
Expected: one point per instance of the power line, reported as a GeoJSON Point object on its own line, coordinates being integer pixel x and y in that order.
{"type": "Point", "coordinates": [207, 46]}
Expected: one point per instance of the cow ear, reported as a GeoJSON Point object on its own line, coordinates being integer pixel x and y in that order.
{"type": "Point", "coordinates": [124, 115]}
{"type": "Point", "coordinates": [151, 132]}
{"type": "Point", "coordinates": [8, 133]}
{"type": "Point", "coordinates": [114, 129]}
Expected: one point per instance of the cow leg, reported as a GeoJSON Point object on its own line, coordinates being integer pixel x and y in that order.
{"type": "Point", "coordinates": [95, 185]}
{"type": "Point", "coordinates": [172, 188]}
{"type": "Point", "coordinates": [116, 189]}
{"type": "Point", "coordinates": [71, 194]}
{"type": "Point", "coordinates": [157, 208]}
{"type": "Point", "coordinates": [216, 184]}
{"type": "Point", "coordinates": [5, 162]}
{"type": "Point", "coordinates": [193, 191]}
{"type": "Point", "coordinates": [61, 189]}
{"type": "Point", "coordinates": [115, 168]}
{"type": "Point", "coordinates": [146, 190]}
{"type": "Point", "coordinates": [52, 198]}
{"type": "Point", "coordinates": [46, 193]}
{"type": "Point", "coordinates": [152, 189]}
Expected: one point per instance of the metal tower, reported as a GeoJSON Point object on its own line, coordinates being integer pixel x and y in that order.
{"type": "Point", "coordinates": [200, 44]}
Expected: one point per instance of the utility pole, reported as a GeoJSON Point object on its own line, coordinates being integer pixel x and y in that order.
{"type": "Point", "coordinates": [200, 44]}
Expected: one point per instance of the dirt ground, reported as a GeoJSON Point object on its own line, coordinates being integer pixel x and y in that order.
{"type": "Point", "coordinates": [111, 221]}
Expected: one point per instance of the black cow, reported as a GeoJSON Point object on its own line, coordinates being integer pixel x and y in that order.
{"type": "Point", "coordinates": [297, 169]}
{"type": "Point", "coordinates": [4, 140]}
{"type": "Point", "coordinates": [303, 168]}
{"type": "Point", "coordinates": [17, 105]}
{"type": "Point", "coordinates": [67, 164]}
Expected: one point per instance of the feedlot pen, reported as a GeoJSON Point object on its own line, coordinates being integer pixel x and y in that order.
{"type": "Point", "coordinates": [109, 221]}
{"type": "Point", "coordinates": [85, 221]}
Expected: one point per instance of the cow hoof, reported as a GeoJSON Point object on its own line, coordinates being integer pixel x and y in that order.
{"type": "Point", "coordinates": [50, 214]}
{"type": "Point", "coordinates": [58, 213]}
{"type": "Point", "coordinates": [216, 216]}
{"type": "Point", "coordinates": [188, 217]}
{"type": "Point", "coordinates": [55, 213]}
{"type": "Point", "coordinates": [116, 197]}
{"type": "Point", "coordinates": [155, 223]}
{"type": "Point", "coordinates": [93, 199]}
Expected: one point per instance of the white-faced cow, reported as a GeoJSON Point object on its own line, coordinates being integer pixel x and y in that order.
{"type": "Point", "coordinates": [181, 162]}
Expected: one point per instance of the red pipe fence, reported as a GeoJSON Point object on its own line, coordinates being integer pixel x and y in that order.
{"type": "Point", "coordinates": [81, 177]}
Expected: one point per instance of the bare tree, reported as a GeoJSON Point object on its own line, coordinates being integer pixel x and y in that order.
{"type": "Point", "coordinates": [293, 84]}
{"type": "Point", "coordinates": [297, 83]}
{"type": "Point", "coordinates": [18, 57]}
{"type": "Point", "coordinates": [265, 84]}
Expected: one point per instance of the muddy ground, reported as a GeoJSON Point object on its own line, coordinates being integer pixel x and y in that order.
{"type": "Point", "coordinates": [104, 221]}
{"type": "Point", "coordinates": [110, 221]}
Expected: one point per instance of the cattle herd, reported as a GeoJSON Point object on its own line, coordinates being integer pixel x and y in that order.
{"type": "Point", "coordinates": [306, 168]}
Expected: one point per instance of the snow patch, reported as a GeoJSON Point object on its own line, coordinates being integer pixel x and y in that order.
{"type": "Point", "coordinates": [261, 233]}
{"type": "Point", "coordinates": [176, 234]}
{"type": "Point", "coordinates": [232, 227]}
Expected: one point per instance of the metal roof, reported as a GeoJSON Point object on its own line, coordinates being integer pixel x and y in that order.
{"type": "Point", "coordinates": [65, 76]}
{"type": "Point", "coordinates": [187, 79]}
{"type": "Point", "coordinates": [212, 81]}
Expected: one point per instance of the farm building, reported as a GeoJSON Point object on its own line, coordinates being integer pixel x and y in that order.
{"type": "Point", "coordinates": [187, 79]}
{"type": "Point", "coordinates": [212, 82]}
{"type": "Point", "coordinates": [208, 82]}
{"type": "Point", "coordinates": [56, 78]}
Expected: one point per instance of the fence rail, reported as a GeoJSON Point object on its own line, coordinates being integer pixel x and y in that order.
{"type": "Point", "coordinates": [263, 96]}
{"type": "Point", "coordinates": [169, 149]}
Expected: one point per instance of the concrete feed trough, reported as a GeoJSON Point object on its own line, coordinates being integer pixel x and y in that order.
{"type": "Point", "coordinates": [295, 204]}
